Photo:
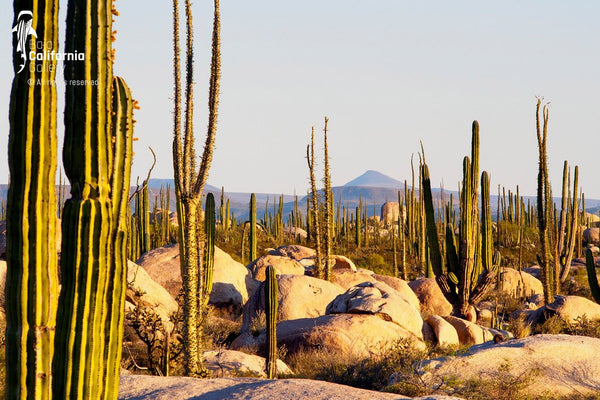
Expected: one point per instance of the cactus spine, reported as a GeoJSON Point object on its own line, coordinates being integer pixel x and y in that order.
{"type": "Point", "coordinates": [470, 271]}
{"type": "Point", "coordinates": [271, 317]}
{"type": "Point", "coordinates": [32, 279]}
{"type": "Point", "coordinates": [252, 227]}
{"type": "Point", "coordinates": [189, 184]}
{"type": "Point", "coordinates": [97, 160]}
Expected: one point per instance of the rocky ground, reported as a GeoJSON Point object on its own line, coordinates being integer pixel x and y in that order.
{"type": "Point", "coordinates": [177, 388]}
{"type": "Point", "coordinates": [360, 315]}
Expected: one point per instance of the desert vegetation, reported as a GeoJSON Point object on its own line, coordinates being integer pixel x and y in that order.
{"type": "Point", "coordinates": [434, 293]}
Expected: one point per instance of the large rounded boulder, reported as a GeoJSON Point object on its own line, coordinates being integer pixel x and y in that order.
{"type": "Point", "coordinates": [550, 366]}
{"type": "Point", "coordinates": [352, 334]}
{"type": "Point", "coordinates": [431, 297]}
{"type": "Point", "coordinates": [232, 282]}
{"type": "Point", "coordinates": [377, 298]}
{"type": "Point", "coordinates": [519, 284]}
{"type": "Point", "coordinates": [283, 266]}
{"type": "Point", "coordinates": [299, 296]}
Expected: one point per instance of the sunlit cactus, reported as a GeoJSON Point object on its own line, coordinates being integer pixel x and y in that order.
{"type": "Point", "coordinates": [189, 182]}
{"type": "Point", "coordinates": [470, 269]}
{"type": "Point", "coordinates": [271, 303]}
{"type": "Point", "coordinates": [32, 278]}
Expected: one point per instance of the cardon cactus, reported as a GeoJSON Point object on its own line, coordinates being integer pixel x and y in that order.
{"type": "Point", "coordinates": [592, 278]}
{"type": "Point", "coordinates": [210, 228]}
{"type": "Point", "coordinates": [271, 303]}
{"type": "Point", "coordinates": [32, 279]}
{"type": "Point", "coordinates": [470, 269]}
{"type": "Point", "coordinates": [252, 227]}
{"type": "Point", "coordinates": [97, 160]}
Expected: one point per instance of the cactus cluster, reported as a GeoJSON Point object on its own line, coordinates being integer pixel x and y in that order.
{"type": "Point", "coordinates": [82, 359]}
{"type": "Point", "coordinates": [464, 272]}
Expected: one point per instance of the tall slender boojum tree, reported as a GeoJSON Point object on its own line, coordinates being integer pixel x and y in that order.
{"type": "Point", "coordinates": [190, 183]}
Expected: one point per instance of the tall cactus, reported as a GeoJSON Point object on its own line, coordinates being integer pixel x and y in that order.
{"type": "Point", "coordinates": [190, 183]}
{"type": "Point", "coordinates": [271, 303]}
{"type": "Point", "coordinates": [328, 209]}
{"type": "Point", "coordinates": [252, 240]}
{"type": "Point", "coordinates": [210, 227]}
{"type": "Point", "coordinates": [142, 215]}
{"type": "Point", "coordinates": [97, 160]}
{"type": "Point", "coordinates": [32, 278]}
{"type": "Point", "coordinates": [470, 269]}
{"type": "Point", "coordinates": [557, 239]}
{"type": "Point", "coordinates": [357, 224]}
{"type": "Point", "coordinates": [314, 197]}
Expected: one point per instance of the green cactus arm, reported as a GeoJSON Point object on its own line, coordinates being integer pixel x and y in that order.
{"type": "Point", "coordinates": [435, 255]}
{"type": "Point", "coordinates": [252, 240]}
{"type": "Point", "coordinates": [122, 133]}
{"type": "Point", "coordinates": [452, 263]}
{"type": "Point", "coordinates": [573, 229]}
{"type": "Point", "coordinates": [590, 266]}
{"type": "Point", "coordinates": [487, 242]}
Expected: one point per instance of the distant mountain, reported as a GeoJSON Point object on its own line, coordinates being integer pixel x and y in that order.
{"type": "Point", "coordinates": [375, 179]}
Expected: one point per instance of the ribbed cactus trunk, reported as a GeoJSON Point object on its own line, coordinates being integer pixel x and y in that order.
{"type": "Point", "coordinates": [544, 198]}
{"type": "Point", "coordinates": [328, 209]}
{"type": "Point", "coordinates": [357, 232]}
{"type": "Point", "coordinates": [210, 232]}
{"type": "Point", "coordinates": [271, 303]}
{"type": "Point", "coordinates": [590, 266]}
{"type": "Point", "coordinates": [252, 240]}
{"type": "Point", "coordinates": [32, 279]}
{"type": "Point", "coordinates": [314, 197]}
{"type": "Point", "coordinates": [97, 161]}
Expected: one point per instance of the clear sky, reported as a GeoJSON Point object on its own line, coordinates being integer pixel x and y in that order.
{"type": "Point", "coordinates": [387, 73]}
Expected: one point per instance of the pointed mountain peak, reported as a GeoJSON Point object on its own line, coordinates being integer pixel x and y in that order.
{"type": "Point", "coordinates": [375, 179]}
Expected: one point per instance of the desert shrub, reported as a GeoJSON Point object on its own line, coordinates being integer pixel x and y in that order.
{"type": "Point", "coordinates": [375, 262]}
{"type": "Point", "coordinates": [220, 331]}
{"type": "Point", "coordinates": [552, 326]}
{"type": "Point", "coordinates": [258, 323]}
{"type": "Point", "coordinates": [584, 327]}
{"type": "Point", "coordinates": [577, 284]}
{"type": "Point", "coordinates": [399, 361]}
{"type": "Point", "coordinates": [500, 385]}
{"type": "Point", "coordinates": [519, 326]}
{"type": "Point", "coordinates": [163, 346]}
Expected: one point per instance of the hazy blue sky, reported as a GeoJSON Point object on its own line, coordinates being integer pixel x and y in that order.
{"type": "Point", "coordinates": [387, 73]}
